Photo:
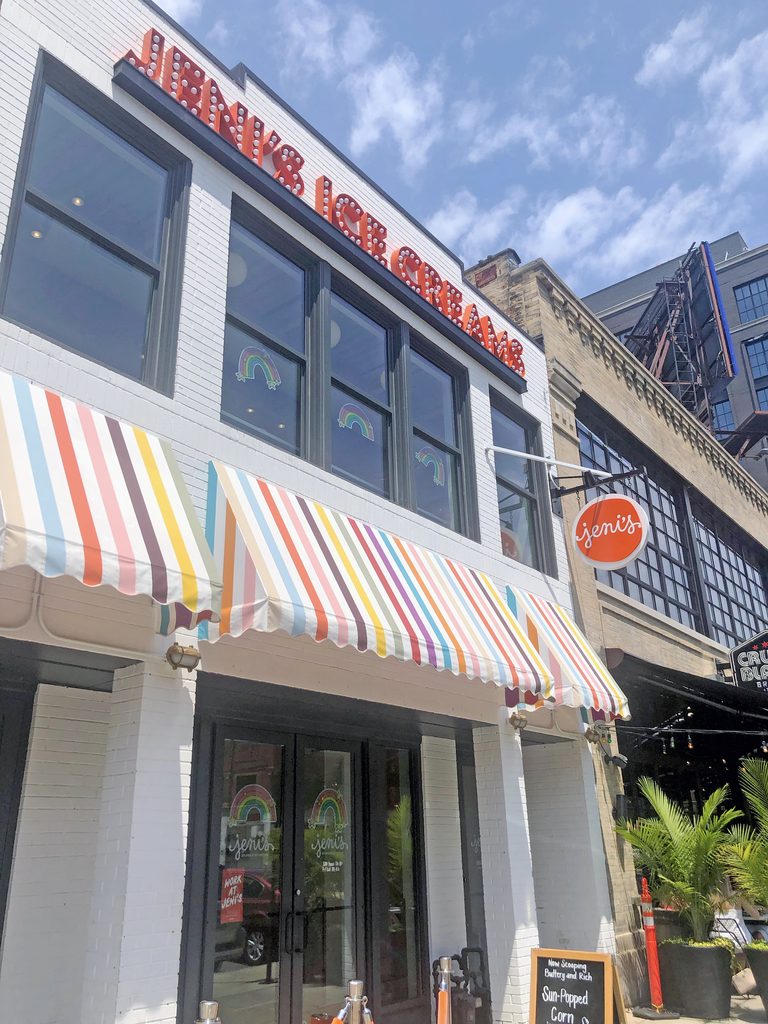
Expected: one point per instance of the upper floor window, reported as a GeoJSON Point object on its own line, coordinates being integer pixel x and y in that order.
{"type": "Point", "coordinates": [93, 232]}
{"type": "Point", "coordinates": [757, 352]}
{"type": "Point", "coordinates": [722, 416]}
{"type": "Point", "coordinates": [752, 299]}
{"type": "Point", "coordinates": [519, 488]}
{"type": "Point", "coordinates": [316, 368]}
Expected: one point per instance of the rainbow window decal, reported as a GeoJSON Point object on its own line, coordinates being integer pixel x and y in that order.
{"type": "Point", "coordinates": [253, 803]}
{"type": "Point", "coordinates": [252, 359]}
{"type": "Point", "coordinates": [351, 415]}
{"type": "Point", "coordinates": [427, 456]}
{"type": "Point", "coordinates": [329, 809]}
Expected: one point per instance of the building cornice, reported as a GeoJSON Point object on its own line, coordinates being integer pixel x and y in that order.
{"type": "Point", "coordinates": [636, 378]}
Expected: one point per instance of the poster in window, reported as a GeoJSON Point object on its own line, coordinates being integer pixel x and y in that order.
{"type": "Point", "coordinates": [232, 881]}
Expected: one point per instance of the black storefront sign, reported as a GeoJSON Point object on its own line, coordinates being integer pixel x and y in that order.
{"type": "Point", "coordinates": [571, 987]}
{"type": "Point", "coordinates": [749, 662]}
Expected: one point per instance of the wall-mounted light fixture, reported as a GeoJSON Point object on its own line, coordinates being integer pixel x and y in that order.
{"type": "Point", "coordinates": [517, 721]}
{"type": "Point", "coordinates": [182, 657]}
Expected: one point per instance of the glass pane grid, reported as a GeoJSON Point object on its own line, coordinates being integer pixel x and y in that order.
{"type": "Point", "coordinates": [752, 299]}
{"type": "Point", "coordinates": [662, 577]}
{"type": "Point", "coordinates": [519, 507]}
{"type": "Point", "coordinates": [722, 415]}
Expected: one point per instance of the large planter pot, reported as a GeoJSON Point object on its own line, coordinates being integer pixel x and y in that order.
{"type": "Point", "coordinates": [758, 961]}
{"type": "Point", "coordinates": [696, 980]}
{"type": "Point", "coordinates": [668, 925]}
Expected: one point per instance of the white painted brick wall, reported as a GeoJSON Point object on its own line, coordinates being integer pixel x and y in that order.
{"type": "Point", "coordinates": [510, 905]}
{"type": "Point", "coordinates": [49, 900]}
{"type": "Point", "coordinates": [569, 870]}
{"type": "Point", "coordinates": [134, 936]}
{"type": "Point", "coordinates": [442, 828]}
{"type": "Point", "coordinates": [89, 36]}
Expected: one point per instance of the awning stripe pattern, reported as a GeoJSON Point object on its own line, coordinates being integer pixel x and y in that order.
{"type": "Point", "coordinates": [293, 564]}
{"type": "Point", "coordinates": [84, 495]}
{"type": "Point", "coordinates": [578, 677]}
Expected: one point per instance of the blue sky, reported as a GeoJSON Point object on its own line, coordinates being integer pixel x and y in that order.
{"type": "Point", "coordinates": [604, 136]}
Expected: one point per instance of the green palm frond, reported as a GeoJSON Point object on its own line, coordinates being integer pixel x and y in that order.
{"type": "Point", "coordinates": [683, 855]}
{"type": "Point", "coordinates": [753, 775]}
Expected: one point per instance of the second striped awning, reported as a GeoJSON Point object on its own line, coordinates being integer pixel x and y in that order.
{"type": "Point", "coordinates": [292, 564]}
{"type": "Point", "coordinates": [85, 495]}
{"type": "Point", "coordinates": [579, 679]}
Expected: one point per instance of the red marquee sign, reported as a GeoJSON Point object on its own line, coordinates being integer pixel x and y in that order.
{"type": "Point", "coordinates": [184, 80]}
{"type": "Point", "coordinates": [611, 531]}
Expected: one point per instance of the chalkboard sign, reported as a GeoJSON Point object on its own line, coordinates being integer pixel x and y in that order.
{"type": "Point", "coordinates": [571, 987]}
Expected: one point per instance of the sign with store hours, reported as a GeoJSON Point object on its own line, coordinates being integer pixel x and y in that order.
{"type": "Point", "coordinates": [611, 531]}
{"type": "Point", "coordinates": [572, 987]}
{"type": "Point", "coordinates": [749, 662]}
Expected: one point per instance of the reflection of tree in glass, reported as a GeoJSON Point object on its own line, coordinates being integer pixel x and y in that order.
{"type": "Point", "coordinates": [399, 860]}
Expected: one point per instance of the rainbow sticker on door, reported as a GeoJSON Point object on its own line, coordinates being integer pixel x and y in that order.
{"type": "Point", "coordinates": [329, 810]}
{"type": "Point", "coordinates": [252, 803]}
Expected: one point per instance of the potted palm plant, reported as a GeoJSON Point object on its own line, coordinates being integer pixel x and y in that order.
{"type": "Point", "coordinates": [747, 859]}
{"type": "Point", "coordinates": [683, 857]}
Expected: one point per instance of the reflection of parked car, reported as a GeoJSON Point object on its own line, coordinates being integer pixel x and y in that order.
{"type": "Point", "coordinates": [254, 940]}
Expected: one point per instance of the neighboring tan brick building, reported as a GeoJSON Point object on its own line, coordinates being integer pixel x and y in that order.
{"type": "Point", "coordinates": [665, 623]}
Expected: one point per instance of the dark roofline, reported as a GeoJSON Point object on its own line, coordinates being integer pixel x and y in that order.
{"type": "Point", "coordinates": [240, 73]}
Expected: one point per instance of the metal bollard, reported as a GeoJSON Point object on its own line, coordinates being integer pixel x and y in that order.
{"type": "Point", "coordinates": [209, 1012]}
{"type": "Point", "coordinates": [444, 991]}
{"type": "Point", "coordinates": [355, 1009]}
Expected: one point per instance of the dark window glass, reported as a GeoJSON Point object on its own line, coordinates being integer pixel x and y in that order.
{"type": "Point", "coordinates": [265, 290]}
{"type": "Point", "coordinates": [722, 416]}
{"type": "Point", "coordinates": [752, 299]}
{"type": "Point", "coordinates": [98, 178]}
{"type": "Point", "coordinates": [517, 491]}
{"type": "Point", "coordinates": [261, 389]}
{"type": "Point", "coordinates": [432, 399]}
{"type": "Point", "coordinates": [400, 966]}
{"type": "Point", "coordinates": [359, 351]}
{"type": "Point", "coordinates": [757, 352]}
{"type": "Point", "coordinates": [435, 481]}
{"type": "Point", "coordinates": [86, 266]}
{"type": "Point", "coordinates": [662, 576]}
{"type": "Point", "coordinates": [69, 288]}
{"type": "Point", "coordinates": [359, 442]}
{"type": "Point", "coordinates": [762, 398]}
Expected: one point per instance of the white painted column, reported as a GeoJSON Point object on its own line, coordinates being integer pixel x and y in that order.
{"type": "Point", "coordinates": [442, 828]}
{"type": "Point", "coordinates": [510, 905]}
{"type": "Point", "coordinates": [132, 962]}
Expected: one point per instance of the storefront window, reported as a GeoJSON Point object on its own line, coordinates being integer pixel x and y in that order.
{"type": "Point", "coordinates": [517, 490]}
{"type": "Point", "coordinates": [87, 265]}
{"type": "Point", "coordinates": [435, 456]}
{"type": "Point", "coordinates": [359, 406]}
{"type": "Point", "coordinates": [399, 952]}
{"type": "Point", "coordinates": [263, 374]}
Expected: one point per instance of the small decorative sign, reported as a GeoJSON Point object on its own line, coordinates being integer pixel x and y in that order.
{"type": "Point", "coordinates": [611, 531]}
{"type": "Point", "coordinates": [232, 881]}
{"type": "Point", "coordinates": [749, 662]}
{"type": "Point", "coordinates": [574, 987]}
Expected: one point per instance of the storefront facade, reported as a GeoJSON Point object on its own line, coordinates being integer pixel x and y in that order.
{"type": "Point", "coordinates": [666, 621]}
{"type": "Point", "coordinates": [246, 406]}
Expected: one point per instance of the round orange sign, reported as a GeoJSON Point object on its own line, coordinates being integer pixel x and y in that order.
{"type": "Point", "coordinates": [610, 531]}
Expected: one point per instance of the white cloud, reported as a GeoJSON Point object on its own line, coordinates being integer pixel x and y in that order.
{"type": "Point", "coordinates": [566, 227]}
{"type": "Point", "coordinates": [682, 53]}
{"type": "Point", "coordinates": [320, 39]}
{"type": "Point", "coordinates": [603, 137]}
{"type": "Point", "coordinates": [219, 34]}
{"type": "Point", "coordinates": [182, 10]}
{"type": "Point", "coordinates": [396, 99]}
{"type": "Point", "coordinates": [472, 231]}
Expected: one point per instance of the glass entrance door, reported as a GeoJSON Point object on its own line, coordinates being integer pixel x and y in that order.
{"type": "Point", "coordinates": [284, 911]}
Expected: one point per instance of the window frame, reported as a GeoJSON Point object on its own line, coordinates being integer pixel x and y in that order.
{"type": "Point", "coordinates": [321, 281]}
{"type": "Point", "coordinates": [541, 495]}
{"type": "Point", "coordinates": [162, 323]}
{"type": "Point", "coordinates": [737, 298]}
{"type": "Point", "coordinates": [759, 382]}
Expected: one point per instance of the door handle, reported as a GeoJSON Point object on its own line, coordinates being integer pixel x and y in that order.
{"type": "Point", "coordinates": [304, 932]}
{"type": "Point", "coordinates": [289, 932]}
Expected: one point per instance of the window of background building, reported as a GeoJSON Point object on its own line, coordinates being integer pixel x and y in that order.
{"type": "Point", "coordinates": [95, 236]}
{"type": "Point", "coordinates": [757, 352]}
{"type": "Point", "coordinates": [662, 577]}
{"type": "Point", "coordinates": [722, 416]}
{"type": "Point", "coordinates": [315, 367]}
{"type": "Point", "coordinates": [752, 299]}
{"type": "Point", "coordinates": [518, 489]}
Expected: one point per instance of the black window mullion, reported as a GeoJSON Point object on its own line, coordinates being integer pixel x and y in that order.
{"type": "Point", "coordinates": [401, 417]}
{"type": "Point", "coordinates": [348, 389]}
{"type": "Point", "coordinates": [317, 428]}
{"type": "Point", "coordinates": [265, 339]}
{"type": "Point", "coordinates": [56, 212]}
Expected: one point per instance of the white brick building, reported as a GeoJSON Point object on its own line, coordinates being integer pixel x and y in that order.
{"type": "Point", "coordinates": [376, 812]}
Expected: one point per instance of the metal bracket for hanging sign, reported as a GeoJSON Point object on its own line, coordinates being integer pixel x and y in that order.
{"type": "Point", "coordinates": [591, 477]}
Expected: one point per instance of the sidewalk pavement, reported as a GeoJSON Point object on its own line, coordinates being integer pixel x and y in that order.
{"type": "Point", "coordinates": [748, 1009]}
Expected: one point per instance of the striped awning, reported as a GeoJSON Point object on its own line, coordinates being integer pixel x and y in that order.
{"type": "Point", "coordinates": [292, 564]}
{"type": "Point", "coordinates": [87, 496]}
{"type": "Point", "coordinates": [578, 679]}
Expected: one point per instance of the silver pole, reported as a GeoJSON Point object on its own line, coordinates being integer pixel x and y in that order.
{"type": "Point", "coordinates": [547, 461]}
{"type": "Point", "coordinates": [444, 984]}
{"type": "Point", "coordinates": [356, 1002]}
{"type": "Point", "coordinates": [209, 1012]}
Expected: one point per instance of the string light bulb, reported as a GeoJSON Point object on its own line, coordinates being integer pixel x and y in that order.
{"type": "Point", "coordinates": [764, 745]}
{"type": "Point", "coordinates": [690, 742]}
{"type": "Point", "coordinates": [671, 742]}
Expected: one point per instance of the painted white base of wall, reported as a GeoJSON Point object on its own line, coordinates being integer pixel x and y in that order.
{"type": "Point", "coordinates": [50, 893]}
